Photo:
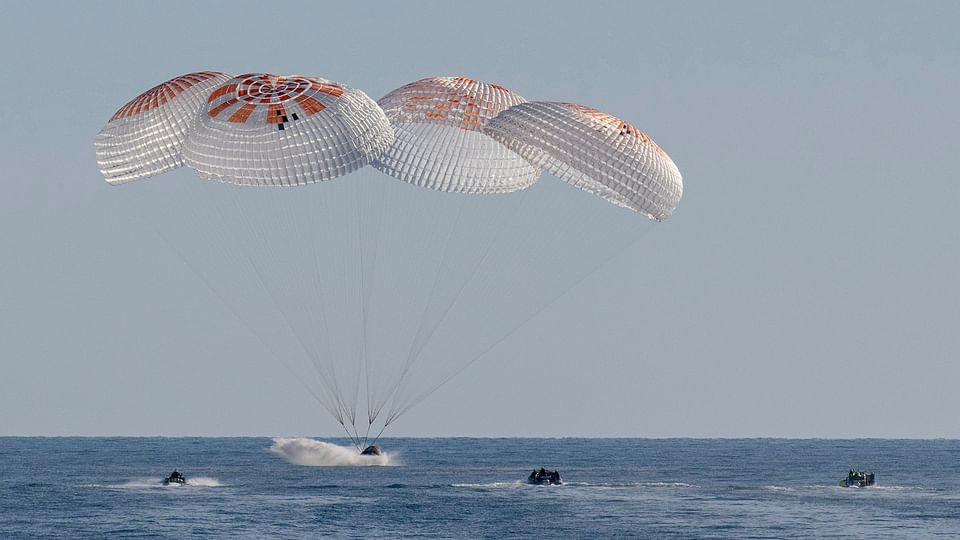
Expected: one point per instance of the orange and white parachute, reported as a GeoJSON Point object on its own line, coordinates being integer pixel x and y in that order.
{"type": "Point", "coordinates": [594, 151]}
{"type": "Point", "coordinates": [263, 129]}
{"type": "Point", "coordinates": [145, 137]}
{"type": "Point", "coordinates": [451, 134]}
{"type": "Point", "coordinates": [440, 142]}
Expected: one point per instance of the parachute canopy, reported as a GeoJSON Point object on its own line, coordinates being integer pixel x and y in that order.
{"type": "Point", "coordinates": [594, 151]}
{"type": "Point", "coordinates": [440, 142]}
{"type": "Point", "coordinates": [145, 137]}
{"type": "Point", "coordinates": [263, 129]}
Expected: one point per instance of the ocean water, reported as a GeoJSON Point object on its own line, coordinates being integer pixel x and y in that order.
{"type": "Point", "coordinates": [473, 488]}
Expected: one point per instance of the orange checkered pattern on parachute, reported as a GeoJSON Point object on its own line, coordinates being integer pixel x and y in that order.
{"type": "Point", "coordinates": [458, 101]}
{"type": "Point", "coordinates": [255, 90]}
{"type": "Point", "coordinates": [623, 127]}
{"type": "Point", "coordinates": [160, 94]}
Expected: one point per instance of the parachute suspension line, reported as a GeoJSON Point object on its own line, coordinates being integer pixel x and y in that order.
{"type": "Point", "coordinates": [426, 332]}
{"type": "Point", "coordinates": [381, 240]}
{"type": "Point", "coordinates": [339, 228]}
{"type": "Point", "coordinates": [314, 232]}
{"type": "Point", "coordinates": [426, 307]}
{"type": "Point", "coordinates": [257, 231]}
{"type": "Point", "coordinates": [427, 234]}
{"type": "Point", "coordinates": [540, 309]}
{"type": "Point", "coordinates": [361, 364]}
{"type": "Point", "coordinates": [487, 280]}
{"type": "Point", "coordinates": [366, 435]}
{"type": "Point", "coordinates": [366, 286]}
{"type": "Point", "coordinates": [328, 380]}
{"type": "Point", "coordinates": [572, 232]}
{"type": "Point", "coordinates": [353, 440]}
{"type": "Point", "coordinates": [226, 303]}
{"type": "Point", "coordinates": [379, 433]}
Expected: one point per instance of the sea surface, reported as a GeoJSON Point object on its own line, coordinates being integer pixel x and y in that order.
{"type": "Point", "coordinates": [473, 488]}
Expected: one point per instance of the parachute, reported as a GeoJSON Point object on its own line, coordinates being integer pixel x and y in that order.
{"type": "Point", "coordinates": [263, 129]}
{"type": "Point", "coordinates": [594, 151]}
{"type": "Point", "coordinates": [375, 292]}
{"type": "Point", "coordinates": [440, 143]}
{"type": "Point", "coordinates": [145, 137]}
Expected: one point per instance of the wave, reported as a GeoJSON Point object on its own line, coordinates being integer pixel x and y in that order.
{"type": "Point", "coordinates": [314, 453]}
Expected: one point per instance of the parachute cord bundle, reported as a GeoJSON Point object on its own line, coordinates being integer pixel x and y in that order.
{"type": "Point", "coordinates": [375, 293]}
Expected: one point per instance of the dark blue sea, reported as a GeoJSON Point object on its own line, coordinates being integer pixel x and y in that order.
{"type": "Point", "coordinates": [473, 488]}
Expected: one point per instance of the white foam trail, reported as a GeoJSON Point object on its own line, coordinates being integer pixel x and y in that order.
{"type": "Point", "coordinates": [150, 483]}
{"type": "Point", "coordinates": [203, 481]}
{"type": "Point", "coordinates": [516, 484]}
{"type": "Point", "coordinates": [140, 483]}
{"type": "Point", "coordinates": [313, 453]}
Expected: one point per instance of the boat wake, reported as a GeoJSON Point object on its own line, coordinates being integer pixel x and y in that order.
{"type": "Point", "coordinates": [840, 489]}
{"type": "Point", "coordinates": [493, 485]}
{"type": "Point", "coordinates": [602, 485]}
{"type": "Point", "coordinates": [157, 483]}
{"type": "Point", "coordinates": [633, 485]}
{"type": "Point", "coordinates": [202, 481]}
{"type": "Point", "coordinates": [314, 453]}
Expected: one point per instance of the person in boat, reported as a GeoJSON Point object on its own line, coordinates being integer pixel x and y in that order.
{"type": "Point", "coordinates": [175, 478]}
{"type": "Point", "coordinates": [543, 476]}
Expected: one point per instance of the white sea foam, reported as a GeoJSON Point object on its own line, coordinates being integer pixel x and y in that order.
{"type": "Point", "coordinates": [314, 453]}
{"type": "Point", "coordinates": [629, 485]}
{"type": "Point", "coordinates": [493, 485]}
{"type": "Point", "coordinates": [203, 481]}
{"type": "Point", "coordinates": [150, 483]}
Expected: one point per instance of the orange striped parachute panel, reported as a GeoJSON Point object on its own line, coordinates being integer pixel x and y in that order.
{"type": "Point", "coordinates": [594, 151]}
{"type": "Point", "coordinates": [438, 123]}
{"type": "Point", "coordinates": [256, 98]}
{"type": "Point", "coordinates": [145, 137]}
{"type": "Point", "coordinates": [265, 129]}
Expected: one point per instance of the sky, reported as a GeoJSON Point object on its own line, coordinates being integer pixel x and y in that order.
{"type": "Point", "coordinates": [806, 286]}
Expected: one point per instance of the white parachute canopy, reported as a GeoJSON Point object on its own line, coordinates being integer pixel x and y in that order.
{"type": "Point", "coordinates": [594, 151]}
{"type": "Point", "coordinates": [440, 143]}
{"type": "Point", "coordinates": [145, 137]}
{"type": "Point", "coordinates": [263, 129]}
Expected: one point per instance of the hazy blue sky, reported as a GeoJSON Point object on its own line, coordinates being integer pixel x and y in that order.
{"type": "Point", "coordinates": [806, 286]}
